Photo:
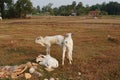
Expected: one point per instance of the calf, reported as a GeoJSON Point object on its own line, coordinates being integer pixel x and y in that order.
{"type": "Point", "coordinates": [47, 61]}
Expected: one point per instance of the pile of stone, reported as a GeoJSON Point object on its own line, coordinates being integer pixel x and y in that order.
{"type": "Point", "coordinates": [19, 71]}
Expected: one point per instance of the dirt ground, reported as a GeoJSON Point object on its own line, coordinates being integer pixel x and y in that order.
{"type": "Point", "coordinates": [94, 56]}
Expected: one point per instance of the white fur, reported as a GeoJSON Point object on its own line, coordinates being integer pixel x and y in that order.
{"type": "Point", "coordinates": [67, 46]}
{"type": "Point", "coordinates": [0, 18]}
{"type": "Point", "coordinates": [47, 61]}
{"type": "Point", "coordinates": [49, 40]}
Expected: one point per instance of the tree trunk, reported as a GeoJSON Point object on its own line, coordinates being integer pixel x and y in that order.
{"type": "Point", "coordinates": [2, 8]}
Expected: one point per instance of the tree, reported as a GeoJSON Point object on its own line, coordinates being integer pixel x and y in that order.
{"type": "Point", "coordinates": [2, 6]}
{"type": "Point", "coordinates": [23, 7]}
{"type": "Point", "coordinates": [113, 8]}
{"type": "Point", "coordinates": [34, 11]}
{"type": "Point", "coordinates": [80, 9]}
{"type": "Point", "coordinates": [63, 10]}
{"type": "Point", "coordinates": [55, 10]}
{"type": "Point", "coordinates": [48, 9]}
{"type": "Point", "coordinates": [74, 6]}
{"type": "Point", "coordinates": [38, 9]}
{"type": "Point", "coordinates": [10, 12]}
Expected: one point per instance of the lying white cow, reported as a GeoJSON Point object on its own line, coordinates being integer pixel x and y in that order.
{"type": "Point", "coordinates": [49, 40]}
{"type": "Point", "coordinates": [47, 61]}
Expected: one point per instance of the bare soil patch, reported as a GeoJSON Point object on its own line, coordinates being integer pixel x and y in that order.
{"type": "Point", "coordinates": [94, 56]}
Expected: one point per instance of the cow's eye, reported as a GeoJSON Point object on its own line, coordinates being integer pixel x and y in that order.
{"type": "Point", "coordinates": [38, 38]}
{"type": "Point", "coordinates": [42, 56]}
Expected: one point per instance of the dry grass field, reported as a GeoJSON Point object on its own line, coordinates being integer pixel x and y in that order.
{"type": "Point", "coordinates": [94, 56]}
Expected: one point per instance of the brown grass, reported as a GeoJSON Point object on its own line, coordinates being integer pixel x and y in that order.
{"type": "Point", "coordinates": [94, 56]}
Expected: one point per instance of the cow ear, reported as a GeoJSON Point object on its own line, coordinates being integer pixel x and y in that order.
{"type": "Point", "coordinates": [39, 38]}
{"type": "Point", "coordinates": [66, 35]}
{"type": "Point", "coordinates": [72, 34]}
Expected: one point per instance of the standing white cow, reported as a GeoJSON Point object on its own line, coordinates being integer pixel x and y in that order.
{"type": "Point", "coordinates": [47, 41]}
{"type": "Point", "coordinates": [67, 46]}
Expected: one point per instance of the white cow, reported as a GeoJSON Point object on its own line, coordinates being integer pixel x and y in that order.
{"type": "Point", "coordinates": [47, 61]}
{"type": "Point", "coordinates": [49, 40]}
{"type": "Point", "coordinates": [67, 46]}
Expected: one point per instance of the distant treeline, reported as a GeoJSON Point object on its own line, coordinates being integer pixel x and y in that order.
{"type": "Point", "coordinates": [21, 8]}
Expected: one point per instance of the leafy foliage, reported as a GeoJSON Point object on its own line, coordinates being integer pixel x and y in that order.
{"type": "Point", "coordinates": [23, 7]}
{"type": "Point", "coordinates": [9, 9]}
{"type": "Point", "coordinates": [18, 9]}
{"type": "Point", "coordinates": [111, 8]}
